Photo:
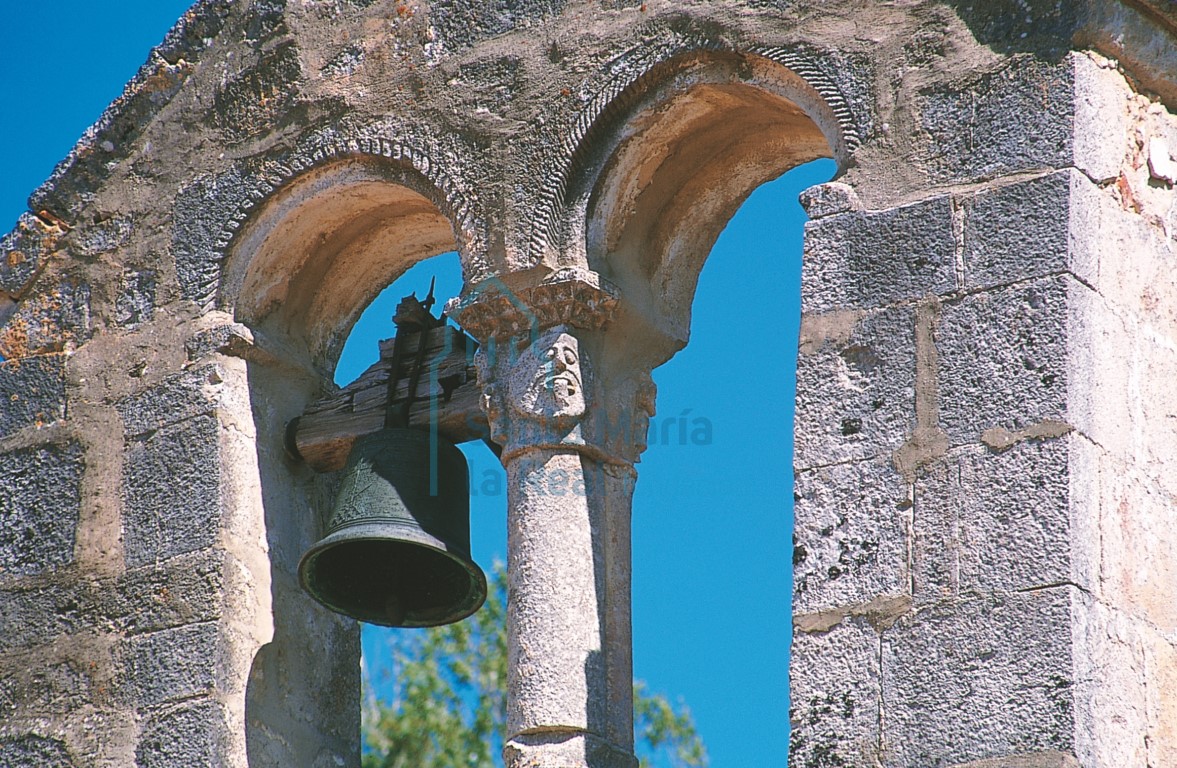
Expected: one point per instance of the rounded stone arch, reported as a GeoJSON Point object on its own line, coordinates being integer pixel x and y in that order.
{"type": "Point", "coordinates": [310, 259]}
{"type": "Point", "coordinates": [663, 168]}
{"type": "Point", "coordinates": [671, 159]}
{"type": "Point", "coordinates": [302, 266]}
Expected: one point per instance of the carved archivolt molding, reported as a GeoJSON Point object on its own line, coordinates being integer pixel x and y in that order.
{"type": "Point", "coordinates": [612, 94]}
{"type": "Point", "coordinates": [232, 198]}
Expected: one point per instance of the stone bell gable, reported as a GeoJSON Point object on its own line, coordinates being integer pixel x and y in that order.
{"type": "Point", "coordinates": [985, 549]}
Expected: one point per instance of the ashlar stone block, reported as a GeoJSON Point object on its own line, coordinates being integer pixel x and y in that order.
{"type": "Point", "coordinates": [835, 689]}
{"type": "Point", "coordinates": [1017, 118]}
{"type": "Point", "coordinates": [864, 259]}
{"type": "Point", "coordinates": [850, 541]}
{"type": "Point", "coordinates": [172, 491]}
{"type": "Point", "coordinates": [1138, 286]}
{"type": "Point", "coordinates": [985, 678]}
{"type": "Point", "coordinates": [173, 400]}
{"type": "Point", "coordinates": [1028, 229]}
{"type": "Point", "coordinates": [53, 318]}
{"type": "Point", "coordinates": [1138, 544]}
{"type": "Point", "coordinates": [40, 501]}
{"type": "Point", "coordinates": [34, 615]}
{"type": "Point", "coordinates": [1119, 393]}
{"type": "Point", "coordinates": [988, 521]}
{"type": "Point", "coordinates": [191, 734]}
{"type": "Point", "coordinates": [168, 665]}
{"type": "Point", "coordinates": [32, 392]}
{"type": "Point", "coordinates": [855, 386]}
{"type": "Point", "coordinates": [1160, 674]}
{"type": "Point", "coordinates": [1100, 136]}
{"type": "Point", "coordinates": [183, 590]}
{"type": "Point", "coordinates": [1111, 692]}
{"type": "Point", "coordinates": [1003, 359]}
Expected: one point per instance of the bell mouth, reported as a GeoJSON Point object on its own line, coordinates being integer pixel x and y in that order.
{"type": "Point", "coordinates": [411, 580]}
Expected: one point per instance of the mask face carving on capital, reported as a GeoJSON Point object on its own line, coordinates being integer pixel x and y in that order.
{"type": "Point", "coordinates": [546, 382]}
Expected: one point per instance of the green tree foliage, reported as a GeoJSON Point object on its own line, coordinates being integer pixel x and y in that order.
{"type": "Point", "coordinates": [449, 708]}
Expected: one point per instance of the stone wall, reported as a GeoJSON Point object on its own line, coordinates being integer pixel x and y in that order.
{"type": "Point", "coordinates": [984, 560]}
{"type": "Point", "coordinates": [963, 562]}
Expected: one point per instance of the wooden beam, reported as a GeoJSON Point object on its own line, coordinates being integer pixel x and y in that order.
{"type": "Point", "coordinates": [447, 395]}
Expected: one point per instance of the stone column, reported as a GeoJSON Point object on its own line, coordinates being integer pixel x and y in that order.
{"type": "Point", "coordinates": [567, 432]}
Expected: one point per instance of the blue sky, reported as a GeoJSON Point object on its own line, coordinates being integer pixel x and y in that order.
{"type": "Point", "coordinates": [712, 520]}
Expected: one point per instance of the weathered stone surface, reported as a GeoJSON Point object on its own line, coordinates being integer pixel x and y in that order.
{"type": "Point", "coordinates": [32, 392]}
{"type": "Point", "coordinates": [179, 397]}
{"type": "Point", "coordinates": [855, 386]}
{"type": "Point", "coordinates": [255, 99]}
{"type": "Point", "coordinates": [1138, 558]}
{"type": "Point", "coordinates": [1003, 359]}
{"type": "Point", "coordinates": [1160, 681]}
{"type": "Point", "coordinates": [1018, 118]}
{"type": "Point", "coordinates": [1135, 287]}
{"type": "Point", "coordinates": [168, 665]}
{"type": "Point", "coordinates": [33, 751]}
{"type": "Point", "coordinates": [135, 302]}
{"type": "Point", "coordinates": [876, 258]}
{"type": "Point", "coordinates": [39, 685]}
{"type": "Point", "coordinates": [985, 678]}
{"type": "Point", "coordinates": [265, 19]}
{"type": "Point", "coordinates": [54, 319]}
{"type": "Point", "coordinates": [172, 492]}
{"type": "Point", "coordinates": [31, 616]}
{"type": "Point", "coordinates": [39, 508]}
{"type": "Point", "coordinates": [1024, 230]}
{"type": "Point", "coordinates": [23, 250]}
{"type": "Point", "coordinates": [104, 236]}
{"type": "Point", "coordinates": [461, 23]}
{"type": "Point", "coordinates": [189, 735]}
{"type": "Point", "coordinates": [835, 688]}
{"type": "Point", "coordinates": [498, 82]}
{"type": "Point", "coordinates": [986, 521]}
{"type": "Point", "coordinates": [829, 199]}
{"type": "Point", "coordinates": [1101, 127]}
{"type": "Point", "coordinates": [183, 590]}
{"type": "Point", "coordinates": [1118, 393]}
{"type": "Point", "coordinates": [199, 214]}
{"type": "Point", "coordinates": [7, 308]}
{"type": "Point", "coordinates": [1111, 691]}
{"type": "Point", "coordinates": [850, 540]}
{"type": "Point", "coordinates": [1020, 25]}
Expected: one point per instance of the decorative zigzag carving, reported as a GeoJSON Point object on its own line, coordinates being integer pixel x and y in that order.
{"type": "Point", "coordinates": [621, 87]}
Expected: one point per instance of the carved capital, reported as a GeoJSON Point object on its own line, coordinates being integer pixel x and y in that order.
{"type": "Point", "coordinates": [543, 393]}
{"type": "Point", "coordinates": [496, 309]}
{"type": "Point", "coordinates": [534, 390]}
{"type": "Point", "coordinates": [624, 417]}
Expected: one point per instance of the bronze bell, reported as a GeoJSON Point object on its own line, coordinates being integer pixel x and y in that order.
{"type": "Point", "coordinates": [397, 548]}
